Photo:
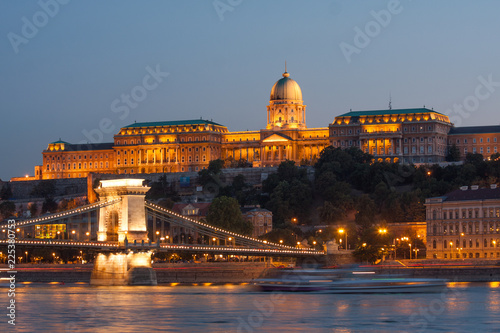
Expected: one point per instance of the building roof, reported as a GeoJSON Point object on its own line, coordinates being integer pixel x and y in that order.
{"type": "Point", "coordinates": [475, 130]}
{"type": "Point", "coordinates": [202, 207]}
{"type": "Point", "coordinates": [286, 89]}
{"type": "Point", "coordinates": [247, 209]}
{"type": "Point", "coordinates": [88, 146]}
{"type": "Point", "coordinates": [173, 123]}
{"type": "Point", "coordinates": [479, 194]}
{"type": "Point", "coordinates": [61, 141]}
{"type": "Point", "coordinates": [386, 112]}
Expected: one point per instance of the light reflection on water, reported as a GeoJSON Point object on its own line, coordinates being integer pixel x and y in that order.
{"type": "Point", "coordinates": [82, 308]}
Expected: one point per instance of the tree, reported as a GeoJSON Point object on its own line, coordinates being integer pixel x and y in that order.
{"type": "Point", "coordinates": [7, 209]}
{"type": "Point", "coordinates": [33, 208]}
{"type": "Point", "coordinates": [210, 174]}
{"type": "Point", "coordinates": [49, 205]}
{"type": "Point", "coordinates": [453, 154]}
{"type": "Point", "coordinates": [225, 213]}
{"type": "Point", "coordinates": [6, 192]}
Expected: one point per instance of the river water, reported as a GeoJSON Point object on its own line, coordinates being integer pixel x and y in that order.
{"type": "Point", "coordinates": [463, 307]}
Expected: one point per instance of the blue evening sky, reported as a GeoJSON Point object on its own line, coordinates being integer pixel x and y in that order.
{"type": "Point", "coordinates": [62, 79]}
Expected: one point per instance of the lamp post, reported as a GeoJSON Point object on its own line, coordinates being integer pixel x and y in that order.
{"type": "Point", "coordinates": [410, 249]}
{"type": "Point", "coordinates": [26, 256]}
{"type": "Point", "coordinates": [451, 250]}
{"type": "Point", "coordinates": [342, 231]}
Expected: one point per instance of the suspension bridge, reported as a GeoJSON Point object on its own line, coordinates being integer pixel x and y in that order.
{"type": "Point", "coordinates": [122, 220]}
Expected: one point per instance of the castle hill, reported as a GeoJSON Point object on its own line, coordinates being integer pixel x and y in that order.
{"type": "Point", "coordinates": [393, 187]}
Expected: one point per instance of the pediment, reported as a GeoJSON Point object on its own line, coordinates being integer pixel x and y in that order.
{"type": "Point", "coordinates": [277, 138]}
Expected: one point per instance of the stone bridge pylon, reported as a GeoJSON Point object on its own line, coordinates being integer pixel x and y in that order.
{"type": "Point", "coordinates": [127, 217]}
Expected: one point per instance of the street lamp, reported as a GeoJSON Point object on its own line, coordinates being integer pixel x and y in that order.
{"type": "Point", "coordinates": [451, 250]}
{"type": "Point", "coordinates": [73, 232]}
{"type": "Point", "coordinates": [410, 249]}
{"type": "Point", "coordinates": [342, 231]}
{"type": "Point", "coordinates": [26, 256]}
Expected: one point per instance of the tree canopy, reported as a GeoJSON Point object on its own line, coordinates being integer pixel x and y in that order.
{"type": "Point", "coordinates": [224, 212]}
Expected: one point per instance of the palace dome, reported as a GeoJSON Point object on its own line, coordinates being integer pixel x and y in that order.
{"type": "Point", "coordinates": [286, 89]}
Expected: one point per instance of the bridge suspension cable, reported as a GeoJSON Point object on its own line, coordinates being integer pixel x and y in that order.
{"type": "Point", "coordinates": [179, 220]}
{"type": "Point", "coordinates": [69, 213]}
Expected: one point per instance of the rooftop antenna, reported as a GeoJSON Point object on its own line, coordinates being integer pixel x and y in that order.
{"type": "Point", "coordinates": [390, 101]}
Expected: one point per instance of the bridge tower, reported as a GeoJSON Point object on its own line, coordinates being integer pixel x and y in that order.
{"type": "Point", "coordinates": [127, 217]}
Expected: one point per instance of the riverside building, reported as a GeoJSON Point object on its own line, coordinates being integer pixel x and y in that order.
{"type": "Point", "coordinates": [464, 224]}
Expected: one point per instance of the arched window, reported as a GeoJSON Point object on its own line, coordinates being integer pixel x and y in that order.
{"type": "Point", "coordinates": [445, 244]}
{"type": "Point", "coordinates": [434, 244]}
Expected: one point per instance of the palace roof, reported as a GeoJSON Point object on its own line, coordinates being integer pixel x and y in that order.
{"type": "Point", "coordinates": [173, 123]}
{"type": "Point", "coordinates": [475, 130]}
{"type": "Point", "coordinates": [386, 112]}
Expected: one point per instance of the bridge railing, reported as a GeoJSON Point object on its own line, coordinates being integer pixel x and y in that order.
{"type": "Point", "coordinates": [180, 220]}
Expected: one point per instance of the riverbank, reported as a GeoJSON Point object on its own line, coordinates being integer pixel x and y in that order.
{"type": "Point", "coordinates": [216, 273]}
{"type": "Point", "coordinates": [219, 273]}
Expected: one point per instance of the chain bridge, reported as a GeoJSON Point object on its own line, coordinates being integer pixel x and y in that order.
{"type": "Point", "coordinates": [122, 220]}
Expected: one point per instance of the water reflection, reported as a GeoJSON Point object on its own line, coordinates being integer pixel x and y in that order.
{"type": "Point", "coordinates": [82, 308]}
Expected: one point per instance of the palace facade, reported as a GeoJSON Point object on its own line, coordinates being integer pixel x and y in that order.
{"type": "Point", "coordinates": [404, 135]}
{"type": "Point", "coordinates": [464, 224]}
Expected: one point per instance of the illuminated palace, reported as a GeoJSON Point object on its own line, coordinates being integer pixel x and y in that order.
{"type": "Point", "coordinates": [405, 135]}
